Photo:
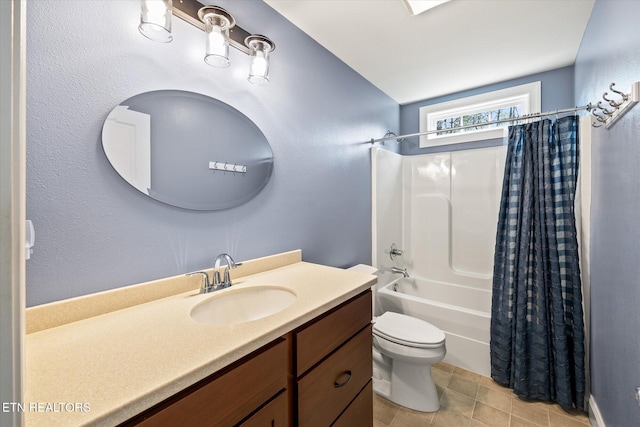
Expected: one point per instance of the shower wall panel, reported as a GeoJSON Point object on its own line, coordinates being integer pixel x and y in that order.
{"type": "Point", "coordinates": [451, 214]}
{"type": "Point", "coordinates": [387, 200]}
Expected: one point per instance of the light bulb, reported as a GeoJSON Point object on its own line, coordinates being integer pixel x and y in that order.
{"type": "Point", "coordinates": [259, 48]}
{"type": "Point", "coordinates": [155, 20]}
{"type": "Point", "coordinates": [217, 54]}
{"type": "Point", "coordinates": [259, 66]}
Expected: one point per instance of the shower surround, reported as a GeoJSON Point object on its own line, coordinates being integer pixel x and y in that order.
{"type": "Point", "coordinates": [441, 209]}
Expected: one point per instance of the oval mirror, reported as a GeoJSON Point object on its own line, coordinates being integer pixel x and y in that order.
{"type": "Point", "coordinates": [187, 150]}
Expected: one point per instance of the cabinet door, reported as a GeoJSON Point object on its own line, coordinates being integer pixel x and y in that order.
{"type": "Point", "coordinates": [273, 414]}
{"type": "Point", "coordinates": [328, 389]}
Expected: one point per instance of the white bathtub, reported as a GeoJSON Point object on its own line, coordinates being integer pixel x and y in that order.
{"type": "Point", "coordinates": [462, 313]}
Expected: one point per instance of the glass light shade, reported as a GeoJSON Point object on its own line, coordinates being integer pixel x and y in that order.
{"type": "Point", "coordinates": [259, 66]}
{"type": "Point", "coordinates": [217, 33]}
{"type": "Point", "coordinates": [155, 20]}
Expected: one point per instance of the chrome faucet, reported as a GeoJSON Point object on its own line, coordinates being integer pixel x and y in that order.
{"type": "Point", "coordinates": [402, 271]}
{"type": "Point", "coordinates": [217, 283]}
{"type": "Point", "coordinates": [395, 270]}
{"type": "Point", "coordinates": [206, 286]}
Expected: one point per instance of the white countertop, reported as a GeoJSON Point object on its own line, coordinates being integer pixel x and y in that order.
{"type": "Point", "coordinates": [120, 363]}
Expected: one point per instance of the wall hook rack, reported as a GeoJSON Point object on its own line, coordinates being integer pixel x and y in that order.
{"type": "Point", "coordinates": [620, 107]}
{"type": "Point", "coordinates": [227, 167]}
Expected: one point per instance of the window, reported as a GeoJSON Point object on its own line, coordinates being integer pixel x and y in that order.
{"type": "Point", "coordinates": [476, 110]}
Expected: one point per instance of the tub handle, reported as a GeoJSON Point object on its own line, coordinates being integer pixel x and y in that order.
{"type": "Point", "coordinates": [394, 251]}
{"type": "Point", "coordinates": [344, 382]}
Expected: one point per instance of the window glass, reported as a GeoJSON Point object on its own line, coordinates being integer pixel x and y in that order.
{"type": "Point", "coordinates": [477, 110]}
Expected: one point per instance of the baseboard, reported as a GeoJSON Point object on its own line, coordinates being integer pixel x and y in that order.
{"type": "Point", "coordinates": [595, 418]}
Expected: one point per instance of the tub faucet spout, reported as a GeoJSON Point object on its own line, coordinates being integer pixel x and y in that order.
{"type": "Point", "coordinates": [402, 271]}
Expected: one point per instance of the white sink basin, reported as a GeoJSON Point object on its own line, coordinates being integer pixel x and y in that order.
{"type": "Point", "coordinates": [243, 305]}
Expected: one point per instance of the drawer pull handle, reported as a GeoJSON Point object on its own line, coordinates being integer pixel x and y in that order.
{"type": "Point", "coordinates": [343, 383]}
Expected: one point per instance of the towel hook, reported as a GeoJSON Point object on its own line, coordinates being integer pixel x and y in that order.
{"type": "Point", "coordinates": [625, 97]}
{"type": "Point", "coordinates": [611, 102]}
{"type": "Point", "coordinates": [598, 117]}
{"type": "Point", "coordinates": [598, 122]}
{"type": "Point", "coordinates": [604, 110]}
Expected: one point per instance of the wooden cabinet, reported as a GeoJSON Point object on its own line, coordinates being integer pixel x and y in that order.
{"type": "Point", "coordinates": [334, 367]}
{"type": "Point", "coordinates": [317, 375]}
{"type": "Point", "coordinates": [227, 397]}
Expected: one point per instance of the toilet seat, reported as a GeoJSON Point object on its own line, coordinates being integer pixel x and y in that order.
{"type": "Point", "coordinates": [408, 331]}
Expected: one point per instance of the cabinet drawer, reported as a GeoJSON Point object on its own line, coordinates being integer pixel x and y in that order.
{"type": "Point", "coordinates": [320, 338]}
{"type": "Point", "coordinates": [327, 390]}
{"type": "Point", "coordinates": [227, 397]}
{"type": "Point", "coordinates": [360, 411]}
{"type": "Point", "coordinates": [273, 414]}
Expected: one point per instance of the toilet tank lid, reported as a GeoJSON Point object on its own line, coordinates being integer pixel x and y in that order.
{"type": "Point", "coordinates": [363, 268]}
{"type": "Point", "coordinates": [408, 329]}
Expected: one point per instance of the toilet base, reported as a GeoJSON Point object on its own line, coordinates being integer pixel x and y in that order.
{"type": "Point", "coordinates": [410, 387]}
{"type": "Point", "coordinates": [382, 388]}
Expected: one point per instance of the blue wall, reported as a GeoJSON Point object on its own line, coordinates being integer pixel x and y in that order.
{"type": "Point", "coordinates": [557, 93]}
{"type": "Point", "coordinates": [610, 52]}
{"type": "Point", "coordinates": [95, 232]}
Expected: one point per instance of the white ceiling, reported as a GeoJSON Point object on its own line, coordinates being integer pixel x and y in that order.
{"type": "Point", "coordinates": [455, 46]}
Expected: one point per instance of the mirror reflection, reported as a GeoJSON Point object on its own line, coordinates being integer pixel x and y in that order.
{"type": "Point", "coordinates": [187, 150]}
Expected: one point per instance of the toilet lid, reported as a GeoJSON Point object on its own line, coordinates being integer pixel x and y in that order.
{"type": "Point", "coordinates": [407, 330]}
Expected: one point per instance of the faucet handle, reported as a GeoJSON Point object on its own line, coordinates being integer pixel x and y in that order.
{"type": "Point", "coordinates": [206, 286]}
{"type": "Point", "coordinates": [227, 275]}
{"type": "Point", "coordinates": [216, 279]}
{"type": "Point", "coordinates": [394, 251]}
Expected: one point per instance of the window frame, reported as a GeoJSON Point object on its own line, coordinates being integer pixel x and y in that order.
{"type": "Point", "coordinates": [527, 96]}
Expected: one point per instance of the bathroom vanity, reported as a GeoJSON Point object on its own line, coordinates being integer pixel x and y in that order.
{"type": "Point", "coordinates": [318, 374]}
{"type": "Point", "coordinates": [140, 360]}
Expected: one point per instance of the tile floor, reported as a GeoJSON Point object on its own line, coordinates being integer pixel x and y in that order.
{"type": "Point", "coordinates": [471, 400]}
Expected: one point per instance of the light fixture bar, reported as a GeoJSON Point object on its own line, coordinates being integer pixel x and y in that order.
{"type": "Point", "coordinates": [187, 10]}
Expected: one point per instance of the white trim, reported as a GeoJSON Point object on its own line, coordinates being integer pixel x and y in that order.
{"type": "Point", "coordinates": [12, 205]}
{"type": "Point", "coordinates": [583, 222]}
{"type": "Point", "coordinates": [528, 95]}
{"type": "Point", "coordinates": [595, 418]}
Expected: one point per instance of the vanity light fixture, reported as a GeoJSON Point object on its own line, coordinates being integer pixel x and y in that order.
{"type": "Point", "coordinates": [217, 23]}
{"type": "Point", "coordinates": [220, 29]}
{"type": "Point", "coordinates": [259, 48]}
{"type": "Point", "coordinates": [155, 20]}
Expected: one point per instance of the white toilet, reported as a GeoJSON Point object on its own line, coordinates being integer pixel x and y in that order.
{"type": "Point", "coordinates": [404, 348]}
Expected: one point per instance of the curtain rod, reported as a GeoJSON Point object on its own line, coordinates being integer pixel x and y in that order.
{"type": "Point", "coordinates": [603, 115]}
{"type": "Point", "coordinates": [587, 107]}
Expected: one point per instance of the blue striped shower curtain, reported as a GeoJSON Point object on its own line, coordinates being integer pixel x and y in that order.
{"type": "Point", "coordinates": [537, 327]}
